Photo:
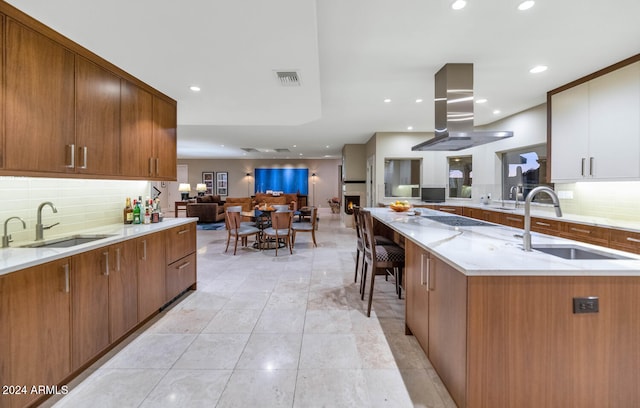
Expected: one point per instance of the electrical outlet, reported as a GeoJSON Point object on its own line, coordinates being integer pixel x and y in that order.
{"type": "Point", "coordinates": [588, 304]}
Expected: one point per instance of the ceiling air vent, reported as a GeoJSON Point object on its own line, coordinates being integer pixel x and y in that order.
{"type": "Point", "coordinates": [284, 150]}
{"type": "Point", "coordinates": [288, 78]}
{"type": "Point", "coordinates": [249, 149]}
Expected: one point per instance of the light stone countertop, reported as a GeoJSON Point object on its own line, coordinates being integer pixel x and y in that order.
{"type": "Point", "coordinates": [14, 258]}
{"type": "Point", "coordinates": [495, 251]}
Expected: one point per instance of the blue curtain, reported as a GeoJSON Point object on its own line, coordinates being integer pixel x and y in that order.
{"type": "Point", "coordinates": [289, 180]}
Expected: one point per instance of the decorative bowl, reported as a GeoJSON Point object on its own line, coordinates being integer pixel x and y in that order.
{"type": "Point", "coordinates": [400, 208]}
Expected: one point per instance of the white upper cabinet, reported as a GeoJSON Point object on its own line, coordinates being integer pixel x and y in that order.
{"type": "Point", "coordinates": [595, 129]}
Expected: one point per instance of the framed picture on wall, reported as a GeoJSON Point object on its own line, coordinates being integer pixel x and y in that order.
{"type": "Point", "coordinates": [207, 179]}
{"type": "Point", "coordinates": [221, 184]}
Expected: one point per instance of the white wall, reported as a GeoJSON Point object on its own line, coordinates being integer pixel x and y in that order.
{"type": "Point", "coordinates": [81, 203]}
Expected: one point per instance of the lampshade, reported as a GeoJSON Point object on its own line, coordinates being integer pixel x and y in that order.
{"type": "Point", "coordinates": [201, 187]}
{"type": "Point", "coordinates": [184, 187]}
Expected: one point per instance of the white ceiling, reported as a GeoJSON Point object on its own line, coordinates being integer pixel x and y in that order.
{"type": "Point", "coordinates": [351, 55]}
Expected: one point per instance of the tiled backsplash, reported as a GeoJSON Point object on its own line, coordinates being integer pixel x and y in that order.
{"type": "Point", "coordinates": [611, 200]}
{"type": "Point", "coordinates": [81, 203]}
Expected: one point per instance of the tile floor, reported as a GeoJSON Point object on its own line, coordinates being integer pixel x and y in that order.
{"type": "Point", "coordinates": [286, 331]}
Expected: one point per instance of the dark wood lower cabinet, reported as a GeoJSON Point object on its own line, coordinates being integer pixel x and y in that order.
{"type": "Point", "coordinates": [123, 289]}
{"type": "Point", "coordinates": [35, 342]}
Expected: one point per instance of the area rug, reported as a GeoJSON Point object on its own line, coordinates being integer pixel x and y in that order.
{"type": "Point", "coordinates": [214, 226]}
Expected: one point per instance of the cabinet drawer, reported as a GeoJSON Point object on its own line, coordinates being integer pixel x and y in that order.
{"type": "Point", "coordinates": [180, 275]}
{"type": "Point", "coordinates": [545, 226]}
{"type": "Point", "coordinates": [181, 241]}
{"type": "Point", "coordinates": [452, 210]}
{"type": "Point", "coordinates": [625, 241]}
{"type": "Point", "coordinates": [585, 233]}
{"type": "Point", "coordinates": [513, 220]}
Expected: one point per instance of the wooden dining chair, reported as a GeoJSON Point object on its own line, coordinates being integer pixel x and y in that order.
{"type": "Point", "coordinates": [280, 229]}
{"type": "Point", "coordinates": [235, 229]}
{"type": "Point", "coordinates": [380, 259]}
{"type": "Point", "coordinates": [379, 240]}
{"type": "Point", "coordinates": [306, 227]}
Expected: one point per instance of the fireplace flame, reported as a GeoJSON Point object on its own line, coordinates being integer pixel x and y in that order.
{"type": "Point", "coordinates": [350, 206]}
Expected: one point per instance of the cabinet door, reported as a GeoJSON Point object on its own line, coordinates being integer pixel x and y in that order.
{"type": "Point", "coordinates": [90, 305]}
{"type": "Point", "coordinates": [123, 289]}
{"type": "Point", "coordinates": [614, 124]}
{"type": "Point", "coordinates": [164, 139]}
{"type": "Point", "coordinates": [569, 134]}
{"type": "Point", "coordinates": [97, 119]}
{"type": "Point", "coordinates": [151, 274]}
{"type": "Point", "coordinates": [417, 296]}
{"type": "Point", "coordinates": [448, 326]}
{"type": "Point", "coordinates": [2, 152]}
{"type": "Point", "coordinates": [34, 341]}
{"type": "Point", "coordinates": [39, 109]}
{"type": "Point", "coordinates": [136, 148]}
{"type": "Point", "coordinates": [181, 241]}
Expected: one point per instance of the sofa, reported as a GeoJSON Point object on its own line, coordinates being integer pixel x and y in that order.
{"type": "Point", "coordinates": [208, 208]}
{"type": "Point", "coordinates": [290, 199]}
{"type": "Point", "coordinates": [245, 202]}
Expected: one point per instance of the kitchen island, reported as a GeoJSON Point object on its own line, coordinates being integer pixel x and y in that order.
{"type": "Point", "coordinates": [508, 328]}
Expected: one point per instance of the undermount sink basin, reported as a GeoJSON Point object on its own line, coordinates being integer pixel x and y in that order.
{"type": "Point", "coordinates": [576, 252]}
{"type": "Point", "coordinates": [66, 242]}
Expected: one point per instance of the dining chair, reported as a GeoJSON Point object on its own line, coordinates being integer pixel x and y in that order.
{"type": "Point", "coordinates": [280, 229]}
{"type": "Point", "coordinates": [233, 220]}
{"type": "Point", "coordinates": [381, 259]}
{"type": "Point", "coordinates": [306, 227]}
{"type": "Point", "coordinates": [281, 207]}
{"type": "Point", "coordinates": [379, 239]}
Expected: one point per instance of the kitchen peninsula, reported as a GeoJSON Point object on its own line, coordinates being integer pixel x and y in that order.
{"type": "Point", "coordinates": [504, 327]}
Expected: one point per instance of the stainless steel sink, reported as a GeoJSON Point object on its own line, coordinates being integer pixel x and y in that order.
{"type": "Point", "coordinates": [66, 242]}
{"type": "Point", "coordinates": [576, 252]}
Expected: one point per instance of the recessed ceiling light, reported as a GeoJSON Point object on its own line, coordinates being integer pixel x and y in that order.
{"type": "Point", "coordinates": [419, 100]}
{"type": "Point", "coordinates": [387, 100]}
{"type": "Point", "coordinates": [300, 154]}
{"type": "Point", "coordinates": [458, 4]}
{"type": "Point", "coordinates": [195, 88]}
{"type": "Point", "coordinates": [481, 100]}
{"type": "Point", "coordinates": [295, 145]}
{"type": "Point", "coordinates": [496, 112]}
{"type": "Point", "coordinates": [538, 69]}
{"type": "Point", "coordinates": [327, 146]}
{"type": "Point", "coordinates": [409, 127]}
{"type": "Point", "coordinates": [526, 5]}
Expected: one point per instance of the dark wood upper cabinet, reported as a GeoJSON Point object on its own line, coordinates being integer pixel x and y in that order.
{"type": "Point", "coordinates": [164, 139]}
{"type": "Point", "coordinates": [136, 131]}
{"type": "Point", "coordinates": [97, 119]}
{"type": "Point", "coordinates": [39, 105]}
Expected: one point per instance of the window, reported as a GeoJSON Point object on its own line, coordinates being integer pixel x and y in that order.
{"type": "Point", "coordinates": [522, 171]}
{"type": "Point", "coordinates": [402, 177]}
{"type": "Point", "coordinates": [460, 176]}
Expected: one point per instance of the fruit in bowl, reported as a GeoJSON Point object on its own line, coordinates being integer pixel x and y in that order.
{"type": "Point", "coordinates": [400, 206]}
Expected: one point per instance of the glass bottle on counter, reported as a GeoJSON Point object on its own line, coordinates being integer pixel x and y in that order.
{"type": "Point", "coordinates": [128, 212]}
{"type": "Point", "coordinates": [136, 212]}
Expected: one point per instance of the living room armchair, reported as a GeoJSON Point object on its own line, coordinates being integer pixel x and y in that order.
{"type": "Point", "coordinates": [208, 208]}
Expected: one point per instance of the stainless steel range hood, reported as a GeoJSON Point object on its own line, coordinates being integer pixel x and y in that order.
{"type": "Point", "coordinates": [454, 112]}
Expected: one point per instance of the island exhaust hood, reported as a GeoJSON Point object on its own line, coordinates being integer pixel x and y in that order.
{"type": "Point", "coordinates": [454, 112]}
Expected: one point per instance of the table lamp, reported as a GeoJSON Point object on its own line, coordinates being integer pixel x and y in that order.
{"type": "Point", "coordinates": [201, 188]}
{"type": "Point", "coordinates": [185, 189]}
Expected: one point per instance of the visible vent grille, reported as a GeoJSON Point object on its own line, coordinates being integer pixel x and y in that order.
{"type": "Point", "coordinates": [249, 149]}
{"type": "Point", "coordinates": [284, 150]}
{"type": "Point", "coordinates": [288, 78]}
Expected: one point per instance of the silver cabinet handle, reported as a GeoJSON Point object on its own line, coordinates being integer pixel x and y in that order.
{"type": "Point", "coordinates": [151, 166]}
{"type": "Point", "coordinates": [106, 263]}
{"type": "Point", "coordinates": [591, 166]}
{"type": "Point", "coordinates": [144, 250]}
{"type": "Point", "coordinates": [631, 239]}
{"type": "Point", "coordinates": [72, 158]}
{"type": "Point", "coordinates": [84, 157]}
{"type": "Point", "coordinates": [544, 224]}
{"type": "Point", "coordinates": [582, 171]}
{"type": "Point", "coordinates": [184, 231]}
{"type": "Point", "coordinates": [584, 231]}
{"type": "Point", "coordinates": [447, 209]}
{"type": "Point", "coordinates": [422, 279]}
{"type": "Point", "coordinates": [514, 219]}
{"type": "Point", "coordinates": [118, 259]}
{"type": "Point", "coordinates": [66, 278]}
{"type": "Point", "coordinates": [184, 265]}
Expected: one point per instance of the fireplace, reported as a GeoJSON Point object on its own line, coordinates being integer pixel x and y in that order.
{"type": "Point", "coordinates": [349, 202]}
